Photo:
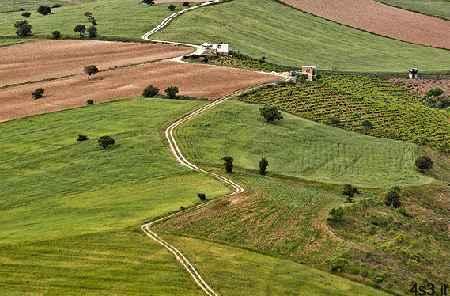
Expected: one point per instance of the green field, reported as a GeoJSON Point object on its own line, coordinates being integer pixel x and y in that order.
{"type": "Point", "coordinates": [32, 5]}
{"type": "Point", "coordinates": [439, 8]}
{"type": "Point", "coordinates": [70, 212]}
{"type": "Point", "coordinates": [289, 37]}
{"type": "Point", "coordinates": [132, 22]}
{"type": "Point", "coordinates": [299, 148]}
{"type": "Point", "coordinates": [349, 100]}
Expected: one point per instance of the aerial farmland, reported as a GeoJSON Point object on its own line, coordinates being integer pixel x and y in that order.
{"type": "Point", "coordinates": [224, 147]}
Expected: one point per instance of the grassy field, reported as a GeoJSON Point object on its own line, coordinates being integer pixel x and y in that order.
{"type": "Point", "coordinates": [289, 37]}
{"type": "Point", "coordinates": [349, 100]}
{"type": "Point", "coordinates": [133, 20]}
{"type": "Point", "coordinates": [16, 5]}
{"type": "Point", "coordinates": [70, 211]}
{"type": "Point", "coordinates": [299, 148]}
{"type": "Point", "coordinates": [439, 8]}
{"type": "Point", "coordinates": [259, 275]}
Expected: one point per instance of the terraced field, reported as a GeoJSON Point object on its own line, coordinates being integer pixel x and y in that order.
{"type": "Point", "coordinates": [349, 100]}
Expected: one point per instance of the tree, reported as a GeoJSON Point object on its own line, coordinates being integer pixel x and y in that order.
{"type": "Point", "coordinates": [228, 163]}
{"type": "Point", "coordinates": [202, 197]}
{"type": "Point", "coordinates": [350, 190]}
{"type": "Point", "coordinates": [80, 29]}
{"type": "Point", "coordinates": [91, 70]}
{"type": "Point", "coordinates": [82, 138]}
{"type": "Point", "coordinates": [56, 35]}
{"type": "Point", "coordinates": [186, 4]}
{"type": "Point", "coordinates": [367, 125]}
{"type": "Point", "coordinates": [270, 113]}
{"type": "Point", "coordinates": [150, 91]}
{"type": "Point", "coordinates": [90, 102]}
{"type": "Point", "coordinates": [92, 31]}
{"type": "Point", "coordinates": [44, 10]}
{"type": "Point", "coordinates": [435, 92]}
{"type": "Point", "coordinates": [26, 14]}
{"type": "Point", "coordinates": [172, 7]}
{"type": "Point", "coordinates": [106, 141]}
{"type": "Point", "coordinates": [263, 164]}
{"type": "Point", "coordinates": [336, 215]}
{"type": "Point", "coordinates": [23, 29]}
{"type": "Point", "coordinates": [37, 93]}
{"type": "Point", "coordinates": [393, 198]}
{"type": "Point", "coordinates": [149, 2]}
{"type": "Point", "coordinates": [172, 92]}
{"type": "Point", "coordinates": [424, 163]}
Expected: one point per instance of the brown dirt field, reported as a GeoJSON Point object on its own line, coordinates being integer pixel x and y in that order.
{"type": "Point", "coordinates": [194, 80]}
{"type": "Point", "coordinates": [422, 86]}
{"type": "Point", "coordinates": [385, 20]}
{"type": "Point", "coordinates": [35, 61]}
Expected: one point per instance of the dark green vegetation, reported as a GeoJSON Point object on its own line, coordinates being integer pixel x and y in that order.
{"type": "Point", "coordinates": [299, 148]}
{"type": "Point", "coordinates": [286, 216]}
{"type": "Point", "coordinates": [70, 212]}
{"type": "Point", "coordinates": [347, 101]}
{"type": "Point", "coordinates": [289, 37]}
{"type": "Point", "coordinates": [132, 22]}
{"type": "Point", "coordinates": [440, 8]}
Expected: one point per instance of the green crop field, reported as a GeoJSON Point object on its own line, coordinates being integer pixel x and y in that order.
{"type": "Point", "coordinates": [298, 147]}
{"type": "Point", "coordinates": [289, 37]}
{"type": "Point", "coordinates": [32, 5]}
{"type": "Point", "coordinates": [351, 99]}
{"type": "Point", "coordinates": [70, 212]}
{"type": "Point", "coordinates": [439, 8]}
{"type": "Point", "coordinates": [132, 22]}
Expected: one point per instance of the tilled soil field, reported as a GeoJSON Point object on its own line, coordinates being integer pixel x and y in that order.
{"type": "Point", "coordinates": [35, 61]}
{"type": "Point", "coordinates": [422, 86]}
{"type": "Point", "coordinates": [381, 19]}
{"type": "Point", "coordinates": [194, 80]}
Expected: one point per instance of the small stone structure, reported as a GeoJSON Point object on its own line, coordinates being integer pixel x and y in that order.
{"type": "Point", "coordinates": [310, 72]}
{"type": "Point", "coordinates": [413, 73]}
{"type": "Point", "coordinates": [216, 48]}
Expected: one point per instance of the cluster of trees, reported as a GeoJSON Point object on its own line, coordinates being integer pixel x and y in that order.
{"type": "Point", "coordinates": [152, 91]}
{"type": "Point", "coordinates": [104, 142]}
{"type": "Point", "coordinates": [228, 165]}
{"type": "Point", "coordinates": [83, 29]}
{"type": "Point", "coordinates": [270, 113]}
{"type": "Point", "coordinates": [436, 98]}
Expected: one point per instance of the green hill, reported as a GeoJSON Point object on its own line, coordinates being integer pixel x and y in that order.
{"type": "Point", "coordinates": [440, 8]}
{"type": "Point", "coordinates": [289, 37]}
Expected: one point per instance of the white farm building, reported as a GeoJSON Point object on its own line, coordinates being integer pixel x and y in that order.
{"type": "Point", "coordinates": [216, 48]}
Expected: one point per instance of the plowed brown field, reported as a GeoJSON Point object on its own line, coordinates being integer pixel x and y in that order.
{"type": "Point", "coordinates": [378, 18]}
{"type": "Point", "coordinates": [194, 80]}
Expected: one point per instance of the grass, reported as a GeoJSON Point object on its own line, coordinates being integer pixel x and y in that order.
{"type": "Point", "coordinates": [289, 37]}
{"type": "Point", "coordinates": [440, 8]}
{"type": "Point", "coordinates": [350, 100]}
{"type": "Point", "coordinates": [72, 209]}
{"type": "Point", "coordinates": [132, 22]}
{"type": "Point", "coordinates": [16, 5]}
{"type": "Point", "coordinates": [257, 274]}
{"type": "Point", "coordinates": [299, 148]}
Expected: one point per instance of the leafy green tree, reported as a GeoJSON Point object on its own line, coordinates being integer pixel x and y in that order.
{"type": "Point", "coordinates": [228, 163]}
{"type": "Point", "coordinates": [92, 32]}
{"type": "Point", "coordinates": [336, 215]}
{"type": "Point", "coordinates": [424, 163]}
{"type": "Point", "coordinates": [106, 141]}
{"type": "Point", "coordinates": [367, 126]}
{"type": "Point", "coordinates": [172, 92]}
{"type": "Point", "coordinates": [202, 197]}
{"type": "Point", "coordinates": [81, 29]}
{"type": "Point", "coordinates": [23, 28]}
{"type": "Point", "coordinates": [37, 93]}
{"type": "Point", "coordinates": [393, 198]}
{"type": "Point", "coordinates": [56, 35]}
{"type": "Point", "coordinates": [150, 91]}
{"type": "Point", "coordinates": [44, 9]}
{"type": "Point", "coordinates": [26, 14]}
{"type": "Point", "coordinates": [270, 113]}
{"type": "Point", "coordinates": [172, 7]}
{"type": "Point", "coordinates": [91, 70]}
{"type": "Point", "coordinates": [263, 164]}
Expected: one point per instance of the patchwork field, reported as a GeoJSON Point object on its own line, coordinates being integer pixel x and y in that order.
{"type": "Point", "coordinates": [440, 8]}
{"type": "Point", "coordinates": [71, 89]}
{"type": "Point", "coordinates": [381, 19]}
{"type": "Point", "coordinates": [289, 37]}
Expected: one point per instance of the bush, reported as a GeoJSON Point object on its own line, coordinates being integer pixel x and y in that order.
{"type": "Point", "coordinates": [92, 31]}
{"type": "Point", "coordinates": [367, 125]}
{"type": "Point", "coordinates": [90, 102]}
{"type": "Point", "coordinates": [435, 92]}
{"type": "Point", "coordinates": [202, 196]}
{"type": "Point", "coordinates": [336, 215]}
{"type": "Point", "coordinates": [23, 28]}
{"type": "Point", "coordinates": [228, 163]}
{"type": "Point", "coordinates": [349, 190]}
{"type": "Point", "coordinates": [148, 2]}
{"type": "Point", "coordinates": [334, 121]}
{"type": "Point", "coordinates": [44, 10]}
{"type": "Point", "coordinates": [106, 141]}
{"type": "Point", "coordinates": [263, 164]}
{"type": "Point", "coordinates": [80, 29]}
{"type": "Point", "coordinates": [186, 4]}
{"type": "Point", "coordinates": [91, 70]}
{"type": "Point", "coordinates": [393, 198]}
{"type": "Point", "coordinates": [172, 7]}
{"type": "Point", "coordinates": [26, 14]}
{"type": "Point", "coordinates": [338, 265]}
{"type": "Point", "coordinates": [37, 93]}
{"type": "Point", "coordinates": [56, 35]}
{"type": "Point", "coordinates": [270, 113]}
{"type": "Point", "coordinates": [150, 91]}
{"type": "Point", "coordinates": [82, 138]}
{"type": "Point", "coordinates": [172, 92]}
{"type": "Point", "coordinates": [424, 163]}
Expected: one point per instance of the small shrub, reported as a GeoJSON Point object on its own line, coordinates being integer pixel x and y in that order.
{"type": "Point", "coordinates": [105, 142]}
{"type": "Point", "coordinates": [393, 198]}
{"type": "Point", "coordinates": [336, 215]}
{"type": "Point", "coordinates": [334, 121]}
{"type": "Point", "coordinates": [424, 163]}
{"type": "Point", "coordinates": [228, 163]}
{"type": "Point", "coordinates": [91, 70]}
{"type": "Point", "coordinates": [338, 265]}
{"type": "Point", "coordinates": [82, 138]}
{"type": "Point", "coordinates": [349, 190]}
{"type": "Point", "coordinates": [37, 93]}
{"type": "Point", "coordinates": [202, 196]}
{"type": "Point", "coordinates": [92, 31]}
{"type": "Point", "coordinates": [186, 4]}
{"type": "Point", "coordinates": [172, 92]}
{"type": "Point", "coordinates": [90, 102]}
{"type": "Point", "coordinates": [366, 125]}
{"type": "Point", "coordinates": [44, 10]}
{"type": "Point", "coordinates": [81, 29]}
{"type": "Point", "coordinates": [172, 7]}
{"type": "Point", "coordinates": [150, 91]}
{"type": "Point", "coordinates": [26, 14]}
{"type": "Point", "coordinates": [56, 6]}
{"type": "Point", "coordinates": [263, 164]}
{"type": "Point", "coordinates": [148, 2]}
{"type": "Point", "coordinates": [270, 113]}
{"type": "Point", "coordinates": [435, 92]}
{"type": "Point", "coordinates": [56, 35]}
{"type": "Point", "coordinates": [23, 28]}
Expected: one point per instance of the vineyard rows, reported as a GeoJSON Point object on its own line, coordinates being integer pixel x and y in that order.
{"type": "Point", "coordinates": [350, 100]}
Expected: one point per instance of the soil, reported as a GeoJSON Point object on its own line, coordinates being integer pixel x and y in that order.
{"type": "Point", "coordinates": [422, 86]}
{"type": "Point", "coordinates": [381, 19]}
